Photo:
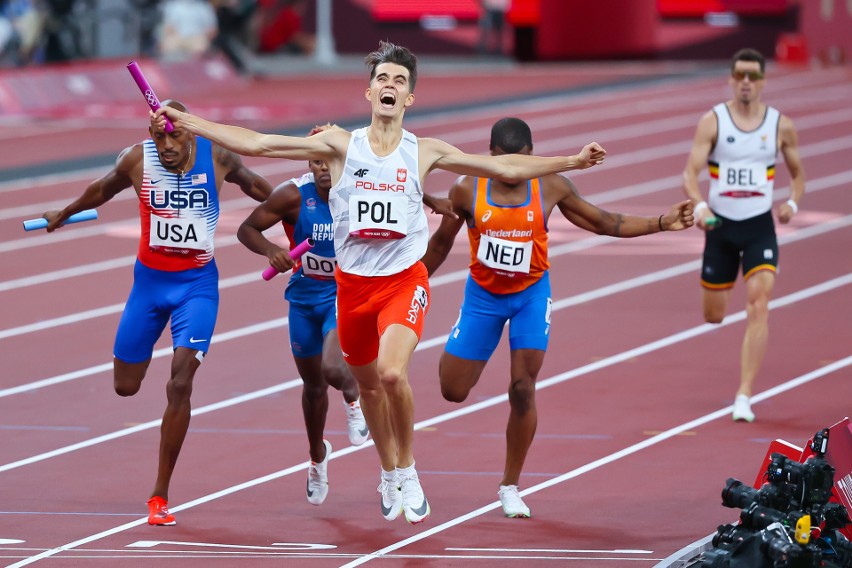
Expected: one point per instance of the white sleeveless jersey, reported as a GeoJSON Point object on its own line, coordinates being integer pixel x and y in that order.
{"type": "Point", "coordinates": [380, 227]}
{"type": "Point", "coordinates": [742, 166]}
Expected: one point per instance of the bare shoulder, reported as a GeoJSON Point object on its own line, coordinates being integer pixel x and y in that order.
{"type": "Point", "coordinates": [556, 187]}
{"type": "Point", "coordinates": [336, 138]}
{"type": "Point", "coordinates": [785, 124]}
{"type": "Point", "coordinates": [708, 122]}
{"type": "Point", "coordinates": [228, 160]}
{"type": "Point", "coordinates": [130, 158]}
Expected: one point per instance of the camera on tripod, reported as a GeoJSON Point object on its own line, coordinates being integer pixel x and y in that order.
{"type": "Point", "coordinates": [790, 522]}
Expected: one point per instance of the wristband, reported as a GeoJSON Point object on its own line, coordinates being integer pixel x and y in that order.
{"type": "Point", "coordinates": [699, 206]}
{"type": "Point", "coordinates": [793, 205]}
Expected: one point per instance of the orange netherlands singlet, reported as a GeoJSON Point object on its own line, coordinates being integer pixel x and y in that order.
{"type": "Point", "coordinates": [508, 243]}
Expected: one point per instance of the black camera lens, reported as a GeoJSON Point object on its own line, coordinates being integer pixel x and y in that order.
{"type": "Point", "coordinates": [736, 495]}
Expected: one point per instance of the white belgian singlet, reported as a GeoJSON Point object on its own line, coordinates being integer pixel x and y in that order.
{"type": "Point", "coordinates": [380, 227]}
{"type": "Point", "coordinates": [742, 166]}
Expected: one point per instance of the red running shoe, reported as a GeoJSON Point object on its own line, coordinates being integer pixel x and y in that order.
{"type": "Point", "coordinates": [158, 512]}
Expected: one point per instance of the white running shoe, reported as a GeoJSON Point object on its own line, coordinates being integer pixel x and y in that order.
{"type": "Point", "coordinates": [414, 502]}
{"type": "Point", "coordinates": [391, 498]}
{"type": "Point", "coordinates": [318, 478]}
{"type": "Point", "coordinates": [513, 506]}
{"type": "Point", "coordinates": [742, 409]}
{"type": "Point", "coordinates": [358, 431]}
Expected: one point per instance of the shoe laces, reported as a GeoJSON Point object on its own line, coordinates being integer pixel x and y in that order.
{"type": "Point", "coordinates": [509, 494]}
{"type": "Point", "coordinates": [354, 412]}
{"type": "Point", "coordinates": [410, 487]}
{"type": "Point", "coordinates": [314, 474]}
{"type": "Point", "coordinates": [386, 488]}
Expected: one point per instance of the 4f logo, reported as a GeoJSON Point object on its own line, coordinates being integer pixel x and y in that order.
{"type": "Point", "coordinates": [361, 173]}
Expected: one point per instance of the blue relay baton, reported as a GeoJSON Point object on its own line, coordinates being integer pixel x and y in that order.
{"type": "Point", "coordinates": [41, 222]}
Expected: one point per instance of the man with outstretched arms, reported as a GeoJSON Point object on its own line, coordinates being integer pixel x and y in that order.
{"type": "Point", "coordinates": [380, 234]}
{"type": "Point", "coordinates": [509, 282]}
{"type": "Point", "coordinates": [177, 177]}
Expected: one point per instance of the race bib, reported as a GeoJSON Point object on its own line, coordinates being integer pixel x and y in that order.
{"type": "Point", "coordinates": [178, 233]}
{"type": "Point", "coordinates": [505, 256]}
{"type": "Point", "coordinates": [733, 177]}
{"type": "Point", "coordinates": [319, 267]}
{"type": "Point", "coordinates": [380, 216]}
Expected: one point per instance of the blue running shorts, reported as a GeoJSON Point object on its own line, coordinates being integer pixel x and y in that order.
{"type": "Point", "coordinates": [309, 324]}
{"type": "Point", "coordinates": [483, 315]}
{"type": "Point", "coordinates": [189, 297]}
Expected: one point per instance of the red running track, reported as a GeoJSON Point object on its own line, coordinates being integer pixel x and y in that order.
{"type": "Point", "coordinates": [634, 441]}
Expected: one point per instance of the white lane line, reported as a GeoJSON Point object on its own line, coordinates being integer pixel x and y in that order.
{"type": "Point", "coordinates": [801, 234]}
{"type": "Point", "coordinates": [821, 288]}
{"type": "Point", "coordinates": [615, 456]}
{"type": "Point", "coordinates": [827, 182]}
{"type": "Point", "coordinates": [550, 145]}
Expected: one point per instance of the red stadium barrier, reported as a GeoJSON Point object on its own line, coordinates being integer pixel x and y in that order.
{"type": "Point", "coordinates": [69, 90]}
{"type": "Point", "coordinates": [825, 25]}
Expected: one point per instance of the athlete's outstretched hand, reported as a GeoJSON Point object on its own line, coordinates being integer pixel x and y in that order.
{"type": "Point", "coordinates": [591, 155]}
{"type": "Point", "coordinates": [680, 216]}
{"type": "Point", "coordinates": [439, 205]}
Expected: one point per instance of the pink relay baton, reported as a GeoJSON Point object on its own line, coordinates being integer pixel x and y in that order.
{"type": "Point", "coordinates": [147, 91]}
{"type": "Point", "coordinates": [295, 253]}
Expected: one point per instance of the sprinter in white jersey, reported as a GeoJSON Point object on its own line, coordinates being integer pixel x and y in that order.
{"type": "Point", "coordinates": [739, 141]}
{"type": "Point", "coordinates": [380, 234]}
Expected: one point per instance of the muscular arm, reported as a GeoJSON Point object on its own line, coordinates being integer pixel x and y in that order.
{"type": "Point", "coordinates": [702, 145]}
{"type": "Point", "coordinates": [282, 205]}
{"type": "Point", "coordinates": [790, 151]}
{"type": "Point", "coordinates": [597, 220]}
{"type": "Point", "coordinates": [461, 195]}
{"type": "Point", "coordinates": [252, 184]}
{"type": "Point", "coordinates": [325, 146]}
{"type": "Point", "coordinates": [127, 168]}
{"type": "Point", "coordinates": [436, 154]}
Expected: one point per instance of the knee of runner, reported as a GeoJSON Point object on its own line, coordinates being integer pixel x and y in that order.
{"type": "Point", "coordinates": [521, 394]}
{"type": "Point", "coordinates": [335, 375]}
{"type": "Point", "coordinates": [390, 378]}
{"type": "Point", "coordinates": [453, 394]}
{"type": "Point", "coordinates": [179, 387]}
{"type": "Point", "coordinates": [125, 387]}
{"type": "Point", "coordinates": [712, 316]}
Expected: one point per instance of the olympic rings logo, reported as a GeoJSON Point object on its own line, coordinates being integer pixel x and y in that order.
{"type": "Point", "coordinates": [152, 99]}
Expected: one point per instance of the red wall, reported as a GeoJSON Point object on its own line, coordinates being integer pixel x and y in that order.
{"type": "Point", "coordinates": [827, 28]}
{"type": "Point", "coordinates": [596, 29]}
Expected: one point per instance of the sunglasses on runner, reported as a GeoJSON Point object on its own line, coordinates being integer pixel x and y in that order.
{"type": "Point", "coordinates": [752, 75]}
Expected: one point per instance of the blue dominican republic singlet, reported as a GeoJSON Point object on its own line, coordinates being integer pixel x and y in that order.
{"type": "Point", "coordinates": [312, 281]}
{"type": "Point", "coordinates": [179, 212]}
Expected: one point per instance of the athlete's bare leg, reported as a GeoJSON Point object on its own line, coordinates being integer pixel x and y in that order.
{"type": "Point", "coordinates": [176, 417]}
{"type": "Point", "coordinates": [374, 405]}
{"type": "Point", "coordinates": [314, 403]}
{"type": "Point", "coordinates": [759, 291]}
{"type": "Point", "coordinates": [715, 304]}
{"type": "Point", "coordinates": [396, 346]}
{"type": "Point", "coordinates": [458, 376]}
{"type": "Point", "coordinates": [127, 377]}
{"type": "Point", "coordinates": [335, 370]}
{"type": "Point", "coordinates": [523, 415]}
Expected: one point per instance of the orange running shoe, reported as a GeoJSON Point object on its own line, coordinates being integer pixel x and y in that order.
{"type": "Point", "coordinates": [158, 512]}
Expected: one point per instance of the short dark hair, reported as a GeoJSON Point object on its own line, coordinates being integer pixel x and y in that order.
{"type": "Point", "coordinates": [749, 54]}
{"type": "Point", "coordinates": [511, 135]}
{"type": "Point", "coordinates": [175, 104]}
{"type": "Point", "coordinates": [392, 53]}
